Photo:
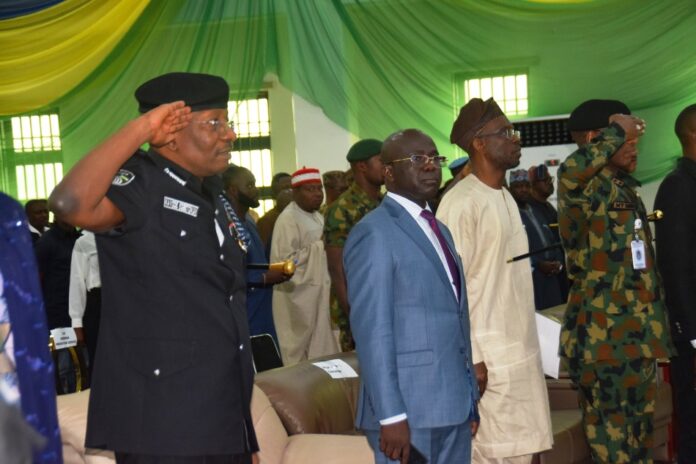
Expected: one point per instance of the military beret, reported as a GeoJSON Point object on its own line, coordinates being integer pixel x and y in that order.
{"type": "Point", "coordinates": [594, 114]}
{"type": "Point", "coordinates": [364, 150]}
{"type": "Point", "coordinates": [519, 175]}
{"type": "Point", "coordinates": [540, 172]}
{"type": "Point", "coordinates": [199, 91]}
{"type": "Point", "coordinates": [458, 164]}
{"type": "Point", "coordinates": [472, 117]}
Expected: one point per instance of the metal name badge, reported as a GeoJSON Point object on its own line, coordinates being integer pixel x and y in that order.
{"type": "Point", "coordinates": [181, 206]}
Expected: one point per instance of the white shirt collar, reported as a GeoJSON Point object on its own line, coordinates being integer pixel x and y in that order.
{"type": "Point", "coordinates": [412, 207]}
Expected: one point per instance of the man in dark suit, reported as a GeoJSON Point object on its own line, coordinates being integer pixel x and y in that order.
{"type": "Point", "coordinates": [410, 317]}
{"type": "Point", "coordinates": [173, 380]}
{"type": "Point", "coordinates": [676, 260]}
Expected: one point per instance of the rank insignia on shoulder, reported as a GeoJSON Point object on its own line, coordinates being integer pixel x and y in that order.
{"type": "Point", "coordinates": [623, 205]}
{"type": "Point", "coordinates": [618, 181]}
{"type": "Point", "coordinates": [122, 178]}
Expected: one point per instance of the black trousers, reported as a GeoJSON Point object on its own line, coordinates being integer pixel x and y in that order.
{"type": "Point", "coordinates": [90, 323]}
{"type": "Point", "coordinates": [128, 458]}
{"type": "Point", "coordinates": [682, 371]}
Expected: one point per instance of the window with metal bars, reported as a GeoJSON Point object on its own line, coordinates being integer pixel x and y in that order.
{"type": "Point", "coordinates": [508, 90]}
{"type": "Point", "coordinates": [31, 157]}
{"type": "Point", "coordinates": [252, 149]}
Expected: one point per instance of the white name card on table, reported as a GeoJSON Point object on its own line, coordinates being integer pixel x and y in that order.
{"type": "Point", "coordinates": [337, 368]}
{"type": "Point", "coordinates": [64, 337]}
{"type": "Point", "coordinates": [549, 332]}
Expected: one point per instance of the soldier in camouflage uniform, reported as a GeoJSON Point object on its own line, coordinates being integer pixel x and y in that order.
{"type": "Point", "coordinates": [615, 325]}
{"type": "Point", "coordinates": [362, 196]}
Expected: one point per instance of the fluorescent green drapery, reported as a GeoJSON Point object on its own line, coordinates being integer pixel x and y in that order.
{"type": "Point", "coordinates": [380, 65]}
{"type": "Point", "coordinates": [46, 54]}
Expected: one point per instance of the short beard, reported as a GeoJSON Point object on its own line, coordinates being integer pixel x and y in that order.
{"type": "Point", "coordinates": [248, 202]}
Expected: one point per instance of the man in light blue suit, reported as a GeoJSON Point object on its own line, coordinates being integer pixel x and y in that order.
{"type": "Point", "coordinates": [410, 317]}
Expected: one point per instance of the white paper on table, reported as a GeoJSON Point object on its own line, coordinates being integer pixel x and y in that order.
{"type": "Point", "coordinates": [64, 337]}
{"type": "Point", "coordinates": [337, 368]}
{"type": "Point", "coordinates": [549, 333]}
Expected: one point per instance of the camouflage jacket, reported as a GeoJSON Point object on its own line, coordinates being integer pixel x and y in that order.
{"type": "Point", "coordinates": [614, 311]}
{"type": "Point", "coordinates": [349, 208]}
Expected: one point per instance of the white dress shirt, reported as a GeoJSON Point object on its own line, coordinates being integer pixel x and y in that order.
{"type": "Point", "coordinates": [84, 276]}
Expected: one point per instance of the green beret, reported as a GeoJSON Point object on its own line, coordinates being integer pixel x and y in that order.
{"type": "Point", "coordinates": [594, 114]}
{"type": "Point", "coordinates": [364, 150]}
{"type": "Point", "coordinates": [199, 91]}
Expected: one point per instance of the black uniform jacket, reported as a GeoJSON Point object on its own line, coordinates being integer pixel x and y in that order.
{"type": "Point", "coordinates": [676, 247]}
{"type": "Point", "coordinates": [174, 374]}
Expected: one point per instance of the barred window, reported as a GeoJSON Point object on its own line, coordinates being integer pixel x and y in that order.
{"type": "Point", "coordinates": [509, 91]}
{"type": "Point", "coordinates": [31, 161]}
{"type": "Point", "coordinates": [252, 149]}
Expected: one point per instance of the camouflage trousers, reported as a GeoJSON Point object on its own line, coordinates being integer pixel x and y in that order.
{"type": "Point", "coordinates": [341, 320]}
{"type": "Point", "coordinates": [617, 398]}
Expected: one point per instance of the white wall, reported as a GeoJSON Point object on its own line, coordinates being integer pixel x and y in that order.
{"type": "Point", "coordinates": [320, 143]}
{"type": "Point", "coordinates": [302, 134]}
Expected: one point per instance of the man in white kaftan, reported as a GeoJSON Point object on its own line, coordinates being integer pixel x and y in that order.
{"type": "Point", "coordinates": [487, 230]}
{"type": "Point", "coordinates": [301, 305]}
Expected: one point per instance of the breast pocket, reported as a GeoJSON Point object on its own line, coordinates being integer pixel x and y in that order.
{"type": "Point", "coordinates": [621, 221]}
{"type": "Point", "coordinates": [181, 227]}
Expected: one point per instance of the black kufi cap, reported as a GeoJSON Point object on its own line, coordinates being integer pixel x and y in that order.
{"type": "Point", "coordinates": [594, 114]}
{"type": "Point", "coordinates": [199, 91]}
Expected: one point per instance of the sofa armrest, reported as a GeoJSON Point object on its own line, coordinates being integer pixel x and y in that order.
{"type": "Point", "coordinates": [308, 400]}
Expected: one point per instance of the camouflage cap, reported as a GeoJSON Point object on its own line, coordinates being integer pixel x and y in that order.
{"type": "Point", "coordinates": [594, 114]}
{"type": "Point", "coordinates": [364, 150]}
{"type": "Point", "coordinates": [472, 117]}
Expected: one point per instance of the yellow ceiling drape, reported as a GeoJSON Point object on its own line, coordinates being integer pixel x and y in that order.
{"type": "Point", "coordinates": [46, 54]}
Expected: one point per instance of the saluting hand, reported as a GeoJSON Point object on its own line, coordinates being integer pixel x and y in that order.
{"type": "Point", "coordinates": [165, 120]}
{"type": "Point", "coordinates": [633, 127]}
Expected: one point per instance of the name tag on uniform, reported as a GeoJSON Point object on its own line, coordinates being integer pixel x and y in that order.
{"type": "Point", "coordinates": [181, 206]}
{"type": "Point", "coordinates": [638, 253]}
{"type": "Point", "coordinates": [622, 206]}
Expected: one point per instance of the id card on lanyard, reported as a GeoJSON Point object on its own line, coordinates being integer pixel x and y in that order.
{"type": "Point", "coordinates": [638, 247]}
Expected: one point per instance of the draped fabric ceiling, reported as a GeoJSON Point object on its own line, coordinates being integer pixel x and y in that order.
{"type": "Point", "coordinates": [373, 66]}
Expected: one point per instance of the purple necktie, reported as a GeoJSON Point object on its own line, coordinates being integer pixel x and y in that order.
{"type": "Point", "coordinates": [430, 217]}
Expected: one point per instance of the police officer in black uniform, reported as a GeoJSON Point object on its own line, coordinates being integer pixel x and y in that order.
{"type": "Point", "coordinates": [174, 377]}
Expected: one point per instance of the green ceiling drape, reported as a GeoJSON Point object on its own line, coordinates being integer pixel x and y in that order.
{"type": "Point", "coordinates": [375, 66]}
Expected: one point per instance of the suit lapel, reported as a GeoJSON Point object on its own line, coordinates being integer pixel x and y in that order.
{"type": "Point", "coordinates": [406, 222]}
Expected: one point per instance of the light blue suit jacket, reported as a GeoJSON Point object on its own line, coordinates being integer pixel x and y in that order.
{"type": "Point", "coordinates": [411, 334]}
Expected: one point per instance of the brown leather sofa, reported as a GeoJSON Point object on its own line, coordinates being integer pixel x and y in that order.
{"type": "Point", "coordinates": [302, 415]}
{"type": "Point", "coordinates": [316, 412]}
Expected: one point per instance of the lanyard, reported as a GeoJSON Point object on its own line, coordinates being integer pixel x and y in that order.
{"type": "Point", "coordinates": [235, 227]}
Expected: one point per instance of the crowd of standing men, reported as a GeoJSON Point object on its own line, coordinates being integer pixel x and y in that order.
{"type": "Point", "coordinates": [418, 282]}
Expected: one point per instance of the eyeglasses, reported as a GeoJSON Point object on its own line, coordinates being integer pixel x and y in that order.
{"type": "Point", "coordinates": [508, 133]}
{"type": "Point", "coordinates": [221, 127]}
{"type": "Point", "coordinates": [421, 160]}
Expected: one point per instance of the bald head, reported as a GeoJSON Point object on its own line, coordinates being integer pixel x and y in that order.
{"type": "Point", "coordinates": [394, 146]}
{"type": "Point", "coordinates": [685, 128]}
{"type": "Point", "coordinates": [411, 178]}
